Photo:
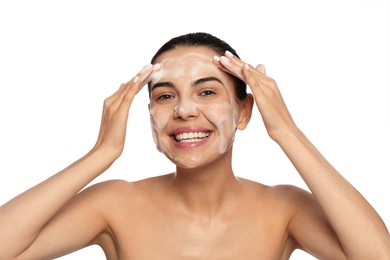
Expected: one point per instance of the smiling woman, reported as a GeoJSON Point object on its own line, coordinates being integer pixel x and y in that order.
{"type": "Point", "coordinates": [198, 101]}
{"type": "Point", "coordinates": [191, 97]}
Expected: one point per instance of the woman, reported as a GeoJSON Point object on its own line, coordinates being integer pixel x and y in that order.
{"type": "Point", "coordinates": [198, 100]}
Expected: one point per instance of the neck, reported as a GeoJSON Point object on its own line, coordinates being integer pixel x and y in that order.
{"type": "Point", "coordinates": [206, 189]}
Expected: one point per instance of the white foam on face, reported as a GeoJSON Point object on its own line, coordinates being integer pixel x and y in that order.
{"type": "Point", "coordinates": [182, 70]}
{"type": "Point", "coordinates": [180, 66]}
{"type": "Point", "coordinates": [185, 106]}
{"type": "Point", "coordinates": [224, 117]}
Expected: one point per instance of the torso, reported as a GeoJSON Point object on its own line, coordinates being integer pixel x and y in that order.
{"type": "Point", "coordinates": [144, 224]}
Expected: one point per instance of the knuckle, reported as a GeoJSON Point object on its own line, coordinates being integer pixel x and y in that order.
{"type": "Point", "coordinates": [106, 103]}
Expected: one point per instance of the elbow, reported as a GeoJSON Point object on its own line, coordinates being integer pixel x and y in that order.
{"type": "Point", "coordinates": [384, 255]}
{"type": "Point", "coordinates": [384, 251]}
{"type": "Point", "coordinates": [381, 252]}
{"type": "Point", "coordinates": [375, 251]}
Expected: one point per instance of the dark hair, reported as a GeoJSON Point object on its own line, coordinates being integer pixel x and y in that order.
{"type": "Point", "coordinates": [201, 39]}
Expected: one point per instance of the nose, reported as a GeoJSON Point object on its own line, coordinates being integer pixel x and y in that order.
{"type": "Point", "coordinates": [185, 109]}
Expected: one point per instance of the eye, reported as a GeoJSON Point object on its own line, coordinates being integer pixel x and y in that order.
{"type": "Point", "coordinates": [165, 96]}
{"type": "Point", "coordinates": [207, 93]}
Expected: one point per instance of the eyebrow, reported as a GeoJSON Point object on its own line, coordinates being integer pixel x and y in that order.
{"type": "Point", "coordinates": [162, 84]}
{"type": "Point", "coordinates": [197, 82]}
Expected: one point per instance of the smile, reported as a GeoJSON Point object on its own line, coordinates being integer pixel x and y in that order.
{"type": "Point", "coordinates": [191, 137]}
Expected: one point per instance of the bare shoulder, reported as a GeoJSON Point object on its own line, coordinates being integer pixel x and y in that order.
{"type": "Point", "coordinates": [122, 187]}
{"type": "Point", "coordinates": [152, 182]}
{"type": "Point", "coordinates": [290, 193]}
{"type": "Point", "coordinates": [109, 188]}
{"type": "Point", "coordinates": [109, 196]}
{"type": "Point", "coordinates": [286, 198]}
{"type": "Point", "coordinates": [122, 192]}
{"type": "Point", "coordinates": [282, 191]}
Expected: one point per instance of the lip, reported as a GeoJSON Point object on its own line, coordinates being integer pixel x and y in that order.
{"type": "Point", "coordinates": [189, 129]}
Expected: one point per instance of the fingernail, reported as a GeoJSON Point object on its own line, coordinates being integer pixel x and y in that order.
{"type": "Point", "coordinates": [246, 66]}
{"type": "Point", "coordinates": [224, 59]}
{"type": "Point", "coordinates": [229, 54]}
{"type": "Point", "coordinates": [156, 66]}
{"type": "Point", "coordinates": [216, 58]}
{"type": "Point", "coordinates": [136, 79]}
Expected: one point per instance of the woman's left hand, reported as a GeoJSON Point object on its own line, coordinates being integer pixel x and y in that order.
{"type": "Point", "coordinates": [276, 117]}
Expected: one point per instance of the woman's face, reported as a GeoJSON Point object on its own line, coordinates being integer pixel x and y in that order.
{"type": "Point", "coordinates": [193, 108]}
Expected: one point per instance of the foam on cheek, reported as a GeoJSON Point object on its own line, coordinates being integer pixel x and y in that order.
{"type": "Point", "coordinates": [158, 122]}
{"type": "Point", "coordinates": [224, 117]}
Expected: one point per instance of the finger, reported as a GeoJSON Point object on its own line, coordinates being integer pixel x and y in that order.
{"type": "Point", "coordinates": [258, 72]}
{"type": "Point", "coordinates": [232, 66]}
{"type": "Point", "coordinates": [261, 68]}
{"type": "Point", "coordinates": [133, 85]}
{"type": "Point", "coordinates": [112, 103]}
{"type": "Point", "coordinates": [147, 76]}
{"type": "Point", "coordinates": [256, 79]}
{"type": "Point", "coordinates": [250, 75]}
{"type": "Point", "coordinates": [232, 63]}
{"type": "Point", "coordinates": [108, 101]}
{"type": "Point", "coordinates": [217, 61]}
{"type": "Point", "coordinates": [259, 83]}
{"type": "Point", "coordinates": [143, 77]}
{"type": "Point", "coordinates": [234, 58]}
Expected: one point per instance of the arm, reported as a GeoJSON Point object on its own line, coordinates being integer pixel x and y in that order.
{"type": "Point", "coordinates": [359, 230]}
{"type": "Point", "coordinates": [24, 218]}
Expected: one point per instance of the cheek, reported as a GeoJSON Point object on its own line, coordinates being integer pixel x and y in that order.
{"type": "Point", "coordinates": [224, 116]}
{"type": "Point", "coordinates": [159, 119]}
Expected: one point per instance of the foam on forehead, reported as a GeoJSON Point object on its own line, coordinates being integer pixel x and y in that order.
{"type": "Point", "coordinates": [187, 65]}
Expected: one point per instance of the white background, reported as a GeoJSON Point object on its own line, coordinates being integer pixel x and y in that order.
{"type": "Point", "coordinates": [60, 59]}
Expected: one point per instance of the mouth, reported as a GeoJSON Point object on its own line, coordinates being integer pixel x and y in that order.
{"type": "Point", "coordinates": [191, 137]}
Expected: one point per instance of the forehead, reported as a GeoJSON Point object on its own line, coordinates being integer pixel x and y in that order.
{"type": "Point", "coordinates": [187, 63]}
{"type": "Point", "coordinates": [187, 53]}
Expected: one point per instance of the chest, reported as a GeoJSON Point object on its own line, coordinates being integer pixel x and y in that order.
{"type": "Point", "coordinates": [166, 236]}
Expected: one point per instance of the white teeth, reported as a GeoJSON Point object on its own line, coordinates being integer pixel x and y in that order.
{"type": "Point", "coordinates": [191, 136]}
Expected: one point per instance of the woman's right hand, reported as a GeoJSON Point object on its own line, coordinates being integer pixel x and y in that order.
{"type": "Point", "coordinates": [112, 131]}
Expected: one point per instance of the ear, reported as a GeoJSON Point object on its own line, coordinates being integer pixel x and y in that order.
{"type": "Point", "coordinates": [246, 112]}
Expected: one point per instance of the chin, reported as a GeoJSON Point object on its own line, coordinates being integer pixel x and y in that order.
{"type": "Point", "coordinates": [187, 163]}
